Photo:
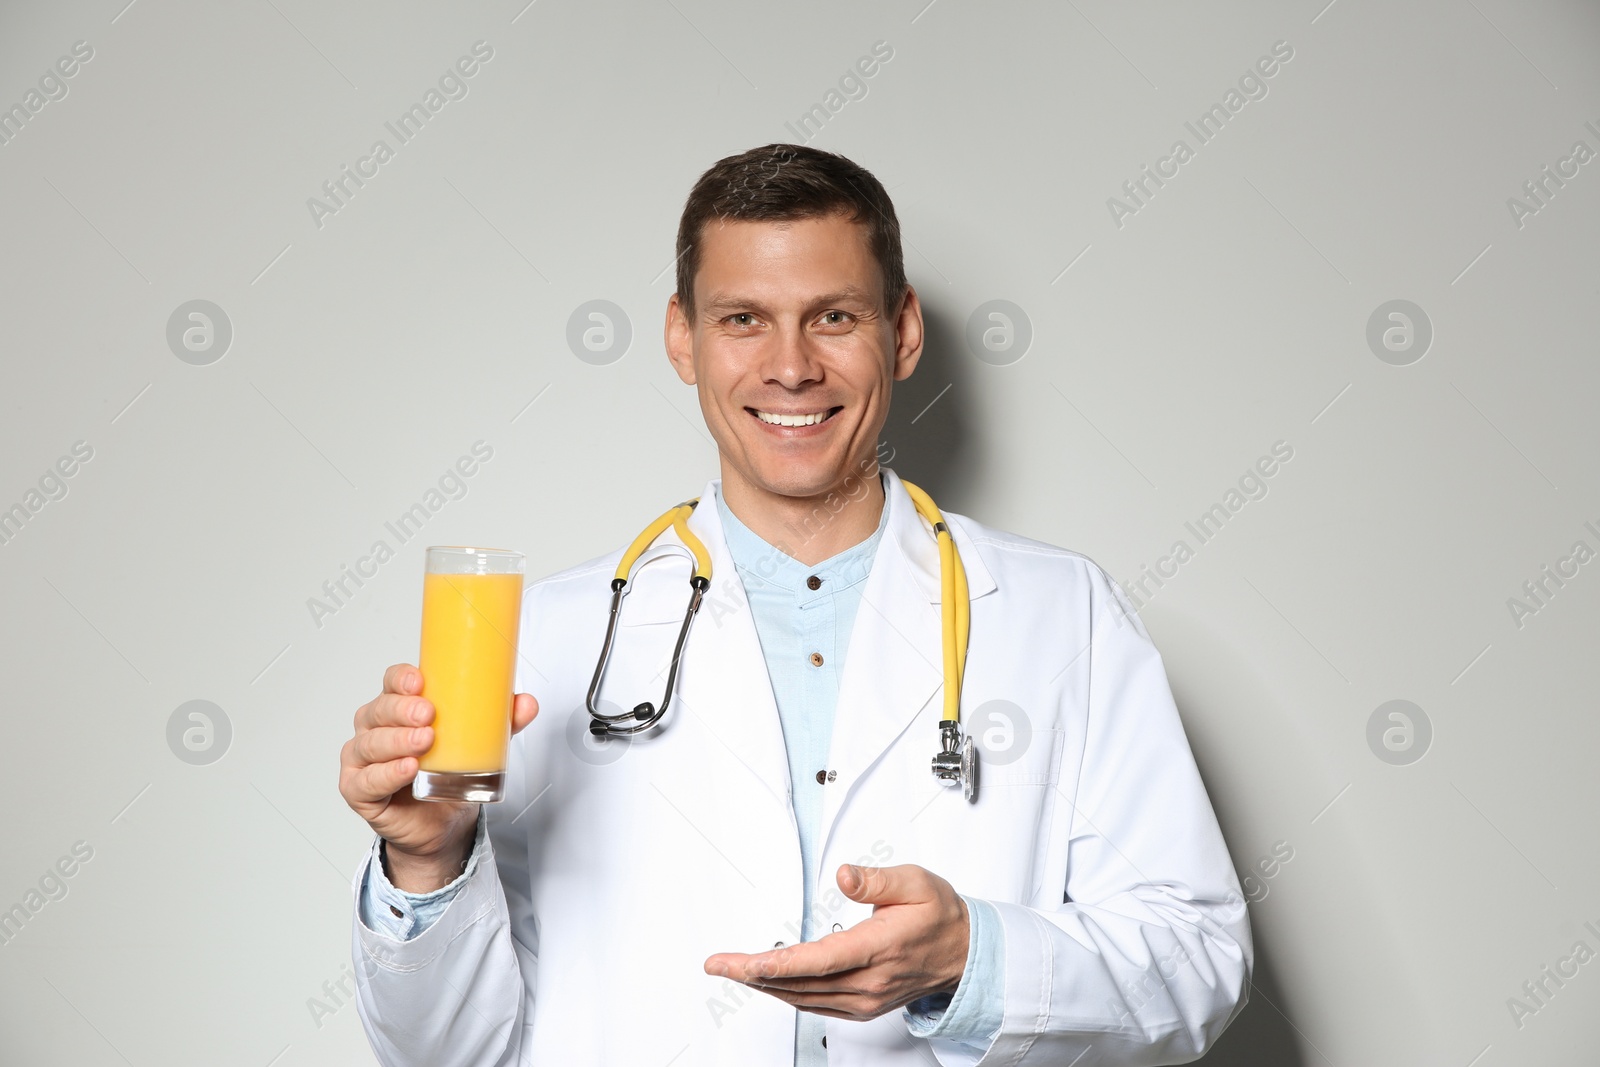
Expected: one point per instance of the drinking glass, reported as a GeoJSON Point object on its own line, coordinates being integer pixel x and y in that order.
{"type": "Point", "coordinates": [471, 608]}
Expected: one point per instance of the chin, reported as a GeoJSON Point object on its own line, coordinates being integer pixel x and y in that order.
{"type": "Point", "coordinates": [789, 478]}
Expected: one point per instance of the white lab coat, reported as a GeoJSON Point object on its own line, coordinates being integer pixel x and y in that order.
{"type": "Point", "coordinates": [579, 940]}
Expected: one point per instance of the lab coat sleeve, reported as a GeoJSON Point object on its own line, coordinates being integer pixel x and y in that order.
{"type": "Point", "coordinates": [403, 915]}
{"type": "Point", "coordinates": [975, 1010]}
{"type": "Point", "coordinates": [1148, 957]}
{"type": "Point", "coordinates": [458, 993]}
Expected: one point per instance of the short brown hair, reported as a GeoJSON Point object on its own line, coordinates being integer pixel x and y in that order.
{"type": "Point", "coordinates": [784, 182]}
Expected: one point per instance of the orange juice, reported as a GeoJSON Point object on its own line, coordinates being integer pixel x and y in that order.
{"type": "Point", "coordinates": [469, 650]}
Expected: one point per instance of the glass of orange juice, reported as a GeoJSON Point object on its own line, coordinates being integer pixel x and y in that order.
{"type": "Point", "coordinates": [471, 608]}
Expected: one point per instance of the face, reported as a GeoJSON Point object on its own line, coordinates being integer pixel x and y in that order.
{"type": "Point", "coordinates": [792, 352]}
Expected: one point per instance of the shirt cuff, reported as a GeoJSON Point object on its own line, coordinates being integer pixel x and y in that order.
{"type": "Point", "coordinates": [976, 1009]}
{"type": "Point", "coordinates": [401, 915]}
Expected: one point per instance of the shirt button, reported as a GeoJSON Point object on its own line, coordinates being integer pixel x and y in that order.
{"type": "Point", "coordinates": [826, 776]}
{"type": "Point", "coordinates": [813, 582]}
{"type": "Point", "coordinates": [816, 659]}
{"type": "Point", "coordinates": [398, 914]}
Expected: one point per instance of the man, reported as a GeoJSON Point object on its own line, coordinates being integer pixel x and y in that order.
{"type": "Point", "coordinates": [619, 905]}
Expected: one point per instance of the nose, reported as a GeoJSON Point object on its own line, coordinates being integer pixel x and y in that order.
{"type": "Point", "coordinates": [790, 360]}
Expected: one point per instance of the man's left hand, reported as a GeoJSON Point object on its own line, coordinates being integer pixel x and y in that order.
{"type": "Point", "coordinates": [914, 944]}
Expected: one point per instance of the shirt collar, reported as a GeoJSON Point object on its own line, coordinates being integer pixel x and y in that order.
{"type": "Point", "coordinates": [760, 562]}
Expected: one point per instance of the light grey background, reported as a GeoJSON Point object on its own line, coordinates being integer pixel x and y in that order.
{"type": "Point", "coordinates": [1167, 354]}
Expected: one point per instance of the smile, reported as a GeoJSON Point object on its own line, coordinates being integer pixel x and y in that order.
{"type": "Point", "coordinates": [811, 418]}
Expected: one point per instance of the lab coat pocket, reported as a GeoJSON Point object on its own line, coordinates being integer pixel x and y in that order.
{"type": "Point", "coordinates": [1017, 802]}
{"type": "Point", "coordinates": [997, 846]}
{"type": "Point", "coordinates": [1034, 762]}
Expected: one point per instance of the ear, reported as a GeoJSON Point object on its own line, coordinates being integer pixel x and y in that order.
{"type": "Point", "coordinates": [908, 336]}
{"type": "Point", "coordinates": [679, 337]}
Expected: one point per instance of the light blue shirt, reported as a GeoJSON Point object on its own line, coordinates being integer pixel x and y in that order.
{"type": "Point", "coordinates": [804, 633]}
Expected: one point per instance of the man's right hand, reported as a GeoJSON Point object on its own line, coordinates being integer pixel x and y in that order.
{"type": "Point", "coordinates": [428, 841]}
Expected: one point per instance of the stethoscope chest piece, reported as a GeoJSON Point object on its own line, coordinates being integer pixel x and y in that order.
{"type": "Point", "coordinates": [957, 760]}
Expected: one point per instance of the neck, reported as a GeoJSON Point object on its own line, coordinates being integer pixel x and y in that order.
{"type": "Point", "coordinates": [809, 528]}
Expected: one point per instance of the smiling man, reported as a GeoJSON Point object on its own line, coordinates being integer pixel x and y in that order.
{"type": "Point", "coordinates": [773, 873]}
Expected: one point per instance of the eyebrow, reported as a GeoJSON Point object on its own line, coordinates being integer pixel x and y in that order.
{"type": "Point", "coordinates": [722, 303]}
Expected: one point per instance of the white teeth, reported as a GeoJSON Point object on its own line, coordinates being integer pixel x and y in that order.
{"type": "Point", "coordinates": [792, 420]}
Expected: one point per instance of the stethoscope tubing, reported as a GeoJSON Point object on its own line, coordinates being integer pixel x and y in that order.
{"type": "Point", "coordinates": [956, 761]}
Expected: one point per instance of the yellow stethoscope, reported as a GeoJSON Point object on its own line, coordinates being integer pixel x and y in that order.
{"type": "Point", "coordinates": [956, 762]}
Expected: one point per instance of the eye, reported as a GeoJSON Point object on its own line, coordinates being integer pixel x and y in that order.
{"type": "Point", "coordinates": [743, 318]}
{"type": "Point", "coordinates": [835, 318]}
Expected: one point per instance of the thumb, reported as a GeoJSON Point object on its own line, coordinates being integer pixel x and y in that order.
{"type": "Point", "coordinates": [870, 885]}
{"type": "Point", "coordinates": [523, 710]}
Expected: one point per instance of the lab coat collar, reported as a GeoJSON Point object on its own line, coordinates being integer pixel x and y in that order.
{"type": "Point", "coordinates": [915, 540]}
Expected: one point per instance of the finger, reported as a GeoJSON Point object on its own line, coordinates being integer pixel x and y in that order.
{"type": "Point", "coordinates": [391, 742]}
{"type": "Point", "coordinates": [846, 950]}
{"type": "Point", "coordinates": [855, 1007]}
{"type": "Point", "coordinates": [735, 965]}
{"type": "Point", "coordinates": [902, 884]}
{"type": "Point", "coordinates": [815, 987]}
{"type": "Point", "coordinates": [523, 709]}
{"type": "Point", "coordinates": [392, 709]}
{"type": "Point", "coordinates": [722, 964]}
{"type": "Point", "coordinates": [402, 678]}
{"type": "Point", "coordinates": [377, 782]}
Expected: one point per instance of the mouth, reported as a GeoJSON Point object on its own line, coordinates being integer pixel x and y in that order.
{"type": "Point", "coordinates": [795, 418]}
